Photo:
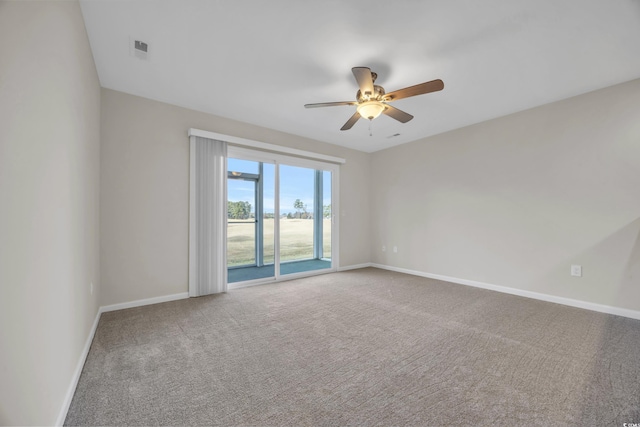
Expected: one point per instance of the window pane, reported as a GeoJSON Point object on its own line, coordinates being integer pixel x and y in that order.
{"type": "Point", "coordinates": [241, 231]}
{"type": "Point", "coordinates": [296, 213]}
{"type": "Point", "coordinates": [269, 188]}
{"type": "Point", "coordinates": [242, 166]}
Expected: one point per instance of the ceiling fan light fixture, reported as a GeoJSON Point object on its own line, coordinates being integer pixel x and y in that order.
{"type": "Point", "coordinates": [371, 99]}
{"type": "Point", "coordinates": [370, 109]}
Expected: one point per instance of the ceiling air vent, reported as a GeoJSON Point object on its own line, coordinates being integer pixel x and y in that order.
{"type": "Point", "coordinates": [138, 49]}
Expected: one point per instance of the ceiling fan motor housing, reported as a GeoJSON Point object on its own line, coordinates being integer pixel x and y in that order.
{"type": "Point", "coordinates": [378, 93]}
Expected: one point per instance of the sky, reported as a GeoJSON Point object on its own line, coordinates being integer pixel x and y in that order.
{"type": "Point", "coordinates": [295, 183]}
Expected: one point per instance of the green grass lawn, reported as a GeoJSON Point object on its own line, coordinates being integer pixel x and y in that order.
{"type": "Point", "coordinates": [296, 241]}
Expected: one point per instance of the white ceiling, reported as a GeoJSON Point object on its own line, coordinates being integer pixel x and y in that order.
{"type": "Point", "coordinates": [260, 61]}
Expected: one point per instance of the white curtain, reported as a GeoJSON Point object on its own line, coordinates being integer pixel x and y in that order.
{"type": "Point", "coordinates": [207, 217]}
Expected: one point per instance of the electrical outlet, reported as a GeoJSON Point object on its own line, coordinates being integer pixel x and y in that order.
{"type": "Point", "coordinates": [576, 270]}
{"type": "Point", "coordinates": [395, 249]}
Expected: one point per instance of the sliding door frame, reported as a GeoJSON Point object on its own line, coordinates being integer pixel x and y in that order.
{"type": "Point", "coordinates": [281, 159]}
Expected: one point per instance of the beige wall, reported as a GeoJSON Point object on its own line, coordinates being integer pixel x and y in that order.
{"type": "Point", "coordinates": [49, 205]}
{"type": "Point", "coordinates": [515, 201]}
{"type": "Point", "coordinates": [144, 194]}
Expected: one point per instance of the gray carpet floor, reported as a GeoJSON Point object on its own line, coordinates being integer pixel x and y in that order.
{"type": "Point", "coordinates": [360, 348]}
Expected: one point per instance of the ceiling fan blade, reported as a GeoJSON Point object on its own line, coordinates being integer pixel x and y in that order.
{"type": "Point", "coordinates": [364, 79]}
{"type": "Point", "coordinates": [399, 115]}
{"type": "Point", "coordinates": [329, 104]}
{"type": "Point", "coordinates": [352, 121]}
{"type": "Point", "coordinates": [421, 89]}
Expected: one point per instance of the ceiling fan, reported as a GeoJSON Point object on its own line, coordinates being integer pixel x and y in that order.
{"type": "Point", "coordinates": [371, 100]}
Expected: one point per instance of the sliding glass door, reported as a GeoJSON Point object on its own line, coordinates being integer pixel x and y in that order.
{"type": "Point", "coordinates": [279, 216]}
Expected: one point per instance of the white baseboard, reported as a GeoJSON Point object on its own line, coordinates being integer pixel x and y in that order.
{"type": "Point", "coordinates": [624, 312]}
{"type": "Point", "coordinates": [355, 267]}
{"type": "Point", "coordinates": [146, 301]}
{"type": "Point", "coordinates": [76, 374]}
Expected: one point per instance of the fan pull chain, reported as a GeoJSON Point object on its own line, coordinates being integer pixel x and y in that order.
{"type": "Point", "coordinates": [370, 123]}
